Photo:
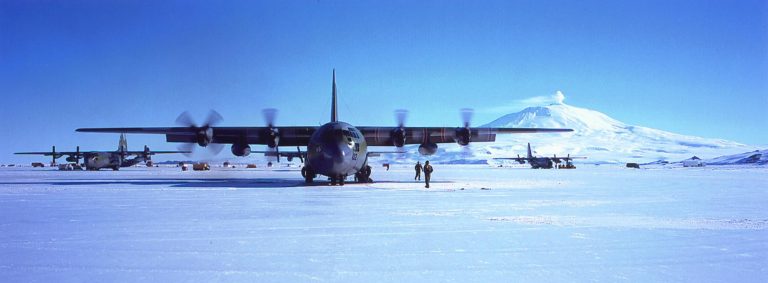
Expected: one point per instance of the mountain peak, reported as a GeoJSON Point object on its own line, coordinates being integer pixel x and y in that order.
{"type": "Point", "coordinates": [558, 115]}
{"type": "Point", "coordinates": [600, 137]}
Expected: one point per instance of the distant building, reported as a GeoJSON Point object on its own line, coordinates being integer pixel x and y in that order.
{"type": "Point", "coordinates": [693, 162]}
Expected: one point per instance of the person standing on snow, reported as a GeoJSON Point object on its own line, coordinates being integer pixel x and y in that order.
{"type": "Point", "coordinates": [418, 171]}
{"type": "Point", "coordinates": [427, 173]}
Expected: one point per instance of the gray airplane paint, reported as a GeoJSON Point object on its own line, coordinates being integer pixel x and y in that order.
{"type": "Point", "coordinates": [541, 162]}
{"type": "Point", "coordinates": [337, 149]}
{"type": "Point", "coordinates": [538, 162]}
{"type": "Point", "coordinates": [95, 160]}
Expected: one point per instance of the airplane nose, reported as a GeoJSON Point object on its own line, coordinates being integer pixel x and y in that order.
{"type": "Point", "coordinates": [337, 153]}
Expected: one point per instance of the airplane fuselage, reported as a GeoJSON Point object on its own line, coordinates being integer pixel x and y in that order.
{"type": "Point", "coordinates": [336, 150]}
{"type": "Point", "coordinates": [112, 160]}
{"type": "Point", "coordinates": [540, 163]}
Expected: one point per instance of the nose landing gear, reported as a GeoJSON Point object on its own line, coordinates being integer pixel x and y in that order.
{"type": "Point", "coordinates": [337, 179]}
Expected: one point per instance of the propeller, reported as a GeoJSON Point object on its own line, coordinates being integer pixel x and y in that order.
{"type": "Point", "coordinates": [464, 134]}
{"type": "Point", "coordinates": [203, 133]}
{"type": "Point", "coordinates": [400, 116]}
{"type": "Point", "coordinates": [466, 116]}
{"type": "Point", "coordinates": [399, 135]}
{"type": "Point", "coordinates": [147, 154]}
{"type": "Point", "coordinates": [272, 133]}
{"type": "Point", "coordinates": [76, 156]}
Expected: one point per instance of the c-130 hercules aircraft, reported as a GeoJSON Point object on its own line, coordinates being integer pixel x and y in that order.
{"type": "Point", "coordinates": [335, 149]}
{"type": "Point", "coordinates": [95, 160]}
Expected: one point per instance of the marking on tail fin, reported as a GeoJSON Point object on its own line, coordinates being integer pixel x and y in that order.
{"type": "Point", "coordinates": [334, 113]}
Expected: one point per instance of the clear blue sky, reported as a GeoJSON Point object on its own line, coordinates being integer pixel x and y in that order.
{"type": "Point", "coordinates": [692, 67]}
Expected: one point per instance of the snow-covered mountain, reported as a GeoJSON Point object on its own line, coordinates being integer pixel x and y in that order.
{"type": "Point", "coordinates": [599, 137]}
{"type": "Point", "coordinates": [757, 157]}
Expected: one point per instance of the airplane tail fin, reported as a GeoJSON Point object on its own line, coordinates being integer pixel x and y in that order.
{"type": "Point", "coordinates": [530, 155]}
{"type": "Point", "coordinates": [123, 145]}
{"type": "Point", "coordinates": [334, 115]}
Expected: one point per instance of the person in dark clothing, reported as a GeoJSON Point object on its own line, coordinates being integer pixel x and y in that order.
{"type": "Point", "coordinates": [418, 171]}
{"type": "Point", "coordinates": [427, 173]}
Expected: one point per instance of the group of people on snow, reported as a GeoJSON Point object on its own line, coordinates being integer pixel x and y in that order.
{"type": "Point", "coordinates": [427, 172]}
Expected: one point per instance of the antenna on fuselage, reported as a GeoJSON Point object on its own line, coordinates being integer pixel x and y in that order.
{"type": "Point", "coordinates": [334, 115]}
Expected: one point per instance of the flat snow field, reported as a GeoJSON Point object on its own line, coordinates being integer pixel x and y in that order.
{"type": "Point", "coordinates": [595, 223]}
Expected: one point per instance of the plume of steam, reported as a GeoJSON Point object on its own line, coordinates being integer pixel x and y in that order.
{"type": "Point", "coordinates": [558, 97]}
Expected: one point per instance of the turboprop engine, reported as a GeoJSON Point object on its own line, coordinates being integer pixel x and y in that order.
{"type": "Point", "coordinates": [239, 149]}
{"type": "Point", "coordinates": [427, 148]}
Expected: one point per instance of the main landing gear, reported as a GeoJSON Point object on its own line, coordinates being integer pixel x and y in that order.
{"type": "Point", "coordinates": [362, 176]}
{"type": "Point", "coordinates": [308, 174]}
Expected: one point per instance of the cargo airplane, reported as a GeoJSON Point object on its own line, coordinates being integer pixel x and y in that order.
{"type": "Point", "coordinates": [543, 162]}
{"type": "Point", "coordinates": [336, 149]}
{"type": "Point", "coordinates": [95, 160]}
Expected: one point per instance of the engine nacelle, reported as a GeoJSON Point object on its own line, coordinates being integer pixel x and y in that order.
{"type": "Point", "coordinates": [463, 136]}
{"type": "Point", "coordinates": [204, 136]}
{"type": "Point", "coordinates": [427, 148]}
{"type": "Point", "coordinates": [398, 137]}
{"type": "Point", "coordinates": [241, 149]}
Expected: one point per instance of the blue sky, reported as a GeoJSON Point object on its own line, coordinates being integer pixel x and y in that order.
{"type": "Point", "coordinates": [690, 67]}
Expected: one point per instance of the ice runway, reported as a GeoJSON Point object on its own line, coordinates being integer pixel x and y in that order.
{"type": "Point", "coordinates": [476, 224]}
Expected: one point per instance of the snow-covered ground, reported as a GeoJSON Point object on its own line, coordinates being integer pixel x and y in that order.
{"type": "Point", "coordinates": [603, 223]}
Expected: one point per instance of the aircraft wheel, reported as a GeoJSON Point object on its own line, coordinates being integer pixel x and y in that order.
{"type": "Point", "coordinates": [367, 173]}
{"type": "Point", "coordinates": [115, 168]}
{"type": "Point", "coordinates": [307, 174]}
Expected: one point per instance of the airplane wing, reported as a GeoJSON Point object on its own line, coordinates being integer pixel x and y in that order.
{"type": "Point", "coordinates": [379, 153]}
{"type": "Point", "coordinates": [153, 152]}
{"type": "Point", "coordinates": [520, 160]}
{"type": "Point", "coordinates": [289, 136]}
{"type": "Point", "coordinates": [287, 154]}
{"type": "Point", "coordinates": [49, 153]}
{"type": "Point", "coordinates": [566, 158]}
{"type": "Point", "coordinates": [299, 135]}
{"type": "Point", "coordinates": [383, 136]}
